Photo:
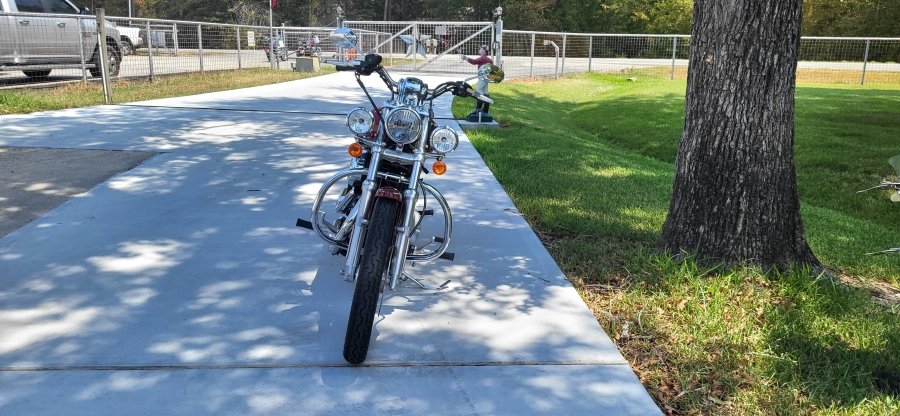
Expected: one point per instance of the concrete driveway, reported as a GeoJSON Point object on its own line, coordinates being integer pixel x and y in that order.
{"type": "Point", "coordinates": [183, 287]}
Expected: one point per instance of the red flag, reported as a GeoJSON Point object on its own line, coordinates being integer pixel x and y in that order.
{"type": "Point", "coordinates": [273, 3]}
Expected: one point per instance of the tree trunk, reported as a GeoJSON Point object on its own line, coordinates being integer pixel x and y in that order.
{"type": "Point", "coordinates": [735, 193]}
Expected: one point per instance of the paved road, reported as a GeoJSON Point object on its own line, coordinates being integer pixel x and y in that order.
{"type": "Point", "coordinates": [182, 286]}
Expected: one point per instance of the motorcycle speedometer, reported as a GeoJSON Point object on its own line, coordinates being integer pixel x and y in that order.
{"type": "Point", "coordinates": [403, 125]}
{"type": "Point", "coordinates": [360, 120]}
{"type": "Point", "coordinates": [443, 140]}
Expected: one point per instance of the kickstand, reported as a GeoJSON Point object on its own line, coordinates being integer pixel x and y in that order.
{"type": "Point", "coordinates": [407, 276]}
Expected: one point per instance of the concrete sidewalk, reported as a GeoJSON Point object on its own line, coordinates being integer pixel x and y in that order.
{"type": "Point", "coordinates": [182, 286]}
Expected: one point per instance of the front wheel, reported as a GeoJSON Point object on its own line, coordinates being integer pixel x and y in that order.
{"type": "Point", "coordinates": [112, 66]}
{"type": "Point", "coordinates": [373, 263]}
{"type": "Point", "coordinates": [127, 47]}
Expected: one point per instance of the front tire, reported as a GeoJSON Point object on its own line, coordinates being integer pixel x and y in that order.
{"type": "Point", "coordinates": [373, 262]}
{"type": "Point", "coordinates": [114, 63]}
{"type": "Point", "coordinates": [127, 47]}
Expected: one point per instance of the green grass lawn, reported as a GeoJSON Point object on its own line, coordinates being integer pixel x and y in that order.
{"type": "Point", "coordinates": [589, 160]}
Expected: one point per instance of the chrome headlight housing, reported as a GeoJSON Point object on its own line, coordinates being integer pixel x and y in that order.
{"type": "Point", "coordinates": [443, 140]}
{"type": "Point", "coordinates": [403, 125]}
{"type": "Point", "coordinates": [360, 120]}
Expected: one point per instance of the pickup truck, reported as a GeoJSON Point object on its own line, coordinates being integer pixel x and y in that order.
{"type": "Point", "coordinates": [131, 39]}
{"type": "Point", "coordinates": [38, 36]}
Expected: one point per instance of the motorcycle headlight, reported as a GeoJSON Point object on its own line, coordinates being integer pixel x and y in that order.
{"type": "Point", "coordinates": [443, 140]}
{"type": "Point", "coordinates": [403, 125]}
{"type": "Point", "coordinates": [360, 120]}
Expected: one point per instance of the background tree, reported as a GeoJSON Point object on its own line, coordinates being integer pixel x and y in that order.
{"type": "Point", "coordinates": [821, 17]}
{"type": "Point", "coordinates": [735, 192]}
{"type": "Point", "coordinates": [851, 18]}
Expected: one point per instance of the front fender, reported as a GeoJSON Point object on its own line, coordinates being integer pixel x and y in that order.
{"type": "Point", "coordinates": [389, 192]}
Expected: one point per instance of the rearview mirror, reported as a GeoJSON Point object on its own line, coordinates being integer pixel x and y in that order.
{"type": "Point", "coordinates": [895, 163]}
{"type": "Point", "coordinates": [492, 73]}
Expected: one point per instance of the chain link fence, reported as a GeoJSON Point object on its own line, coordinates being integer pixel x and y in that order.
{"type": "Point", "coordinates": [161, 47]}
{"type": "Point", "coordinates": [45, 47]}
{"type": "Point", "coordinates": [424, 46]}
{"type": "Point", "coordinates": [35, 46]}
{"type": "Point", "coordinates": [865, 61]}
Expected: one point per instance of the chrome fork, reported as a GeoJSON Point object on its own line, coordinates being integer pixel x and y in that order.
{"type": "Point", "coordinates": [404, 231]}
{"type": "Point", "coordinates": [364, 204]}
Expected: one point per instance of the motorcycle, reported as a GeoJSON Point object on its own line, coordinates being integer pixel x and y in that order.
{"type": "Point", "coordinates": [895, 196]}
{"type": "Point", "coordinates": [310, 47]}
{"type": "Point", "coordinates": [277, 45]}
{"type": "Point", "coordinates": [377, 210]}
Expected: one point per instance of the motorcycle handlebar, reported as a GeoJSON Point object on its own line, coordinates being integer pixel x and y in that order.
{"type": "Point", "coordinates": [373, 65]}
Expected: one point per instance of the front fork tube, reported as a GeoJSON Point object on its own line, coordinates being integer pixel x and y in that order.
{"type": "Point", "coordinates": [404, 229]}
{"type": "Point", "coordinates": [364, 204]}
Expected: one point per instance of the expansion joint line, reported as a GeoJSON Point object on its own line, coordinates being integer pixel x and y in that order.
{"type": "Point", "coordinates": [310, 366]}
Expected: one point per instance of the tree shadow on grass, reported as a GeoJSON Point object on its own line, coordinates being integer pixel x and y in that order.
{"type": "Point", "coordinates": [832, 343]}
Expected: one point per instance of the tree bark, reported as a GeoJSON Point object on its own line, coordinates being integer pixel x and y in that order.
{"type": "Point", "coordinates": [735, 194]}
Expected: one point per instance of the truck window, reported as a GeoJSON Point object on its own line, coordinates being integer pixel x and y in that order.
{"type": "Point", "coordinates": [30, 6]}
{"type": "Point", "coordinates": [59, 6]}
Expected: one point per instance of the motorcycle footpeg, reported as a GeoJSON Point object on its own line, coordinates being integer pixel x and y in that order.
{"type": "Point", "coordinates": [304, 223]}
{"type": "Point", "coordinates": [447, 256]}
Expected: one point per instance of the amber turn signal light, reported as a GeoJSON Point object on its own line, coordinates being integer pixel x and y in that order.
{"type": "Point", "coordinates": [355, 150]}
{"type": "Point", "coordinates": [439, 168]}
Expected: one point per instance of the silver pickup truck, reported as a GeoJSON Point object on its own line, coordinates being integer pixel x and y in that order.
{"type": "Point", "coordinates": [38, 36]}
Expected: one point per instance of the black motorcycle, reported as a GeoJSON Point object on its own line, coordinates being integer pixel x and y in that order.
{"type": "Point", "coordinates": [277, 45]}
{"type": "Point", "coordinates": [383, 197]}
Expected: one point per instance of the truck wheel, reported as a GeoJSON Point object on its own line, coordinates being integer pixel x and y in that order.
{"type": "Point", "coordinates": [115, 61]}
{"type": "Point", "coordinates": [37, 74]}
{"type": "Point", "coordinates": [127, 47]}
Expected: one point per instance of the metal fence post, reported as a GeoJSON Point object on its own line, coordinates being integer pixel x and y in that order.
{"type": "Point", "coordinates": [175, 37]}
{"type": "Point", "coordinates": [564, 56]}
{"type": "Point", "coordinates": [531, 73]}
{"type": "Point", "coordinates": [239, 47]}
{"type": "Point", "coordinates": [81, 51]}
{"type": "Point", "coordinates": [415, 46]}
{"type": "Point", "coordinates": [674, 51]}
{"type": "Point", "coordinates": [200, 45]}
{"type": "Point", "coordinates": [865, 63]}
{"type": "Point", "coordinates": [104, 58]}
{"type": "Point", "coordinates": [590, 51]}
{"type": "Point", "coordinates": [150, 51]}
{"type": "Point", "coordinates": [498, 40]}
{"type": "Point", "coordinates": [493, 39]}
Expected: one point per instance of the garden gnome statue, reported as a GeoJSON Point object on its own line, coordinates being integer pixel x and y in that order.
{"type": "Point", "coordinates": [481, 108]}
